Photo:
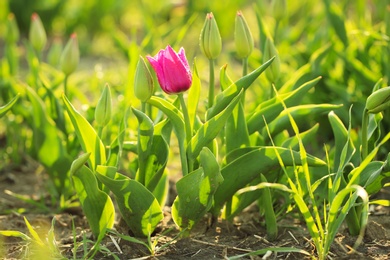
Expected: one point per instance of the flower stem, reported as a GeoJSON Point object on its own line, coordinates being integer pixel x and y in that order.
{"type": "Point", "coordinates": [66, 86]}
{"type": "Point", "coordinates": [187, 126]}
{"type": "Point", "coordinates": [364, 134]}
{"type": "Point", "coordinates": [244, 66]}
{"type": "Point", "coordinates": [211, 83]}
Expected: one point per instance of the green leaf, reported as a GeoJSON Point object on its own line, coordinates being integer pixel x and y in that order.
{"type": "Point", "coordinates": [270, 109]}
{"type": "Point", "coordinates": [116, 146]}
{"type": "Point", "coordinates": [224, 79]}
{"type": "Point", "coordinates": [369, 174]}
{"type": "Point", "coordinates": [193, 96]}
{"type": "Point", "coordinates": [195, 191]}
{"type": "Point", "coordinates": [236, 130]}
{"type": "Point", "coordinates": [248, 166]}
{"type": "Point", "coordinates": [300, 115]}
{"type": "Point", "coordinates": [306, 137]}
{"type": "Point", "coordinates": [8, 106]}
{"type": "Point", "coordinates": [336, 19]}
{"type": "Point", "coordinates": [138, 207]}
{"type": "Point", "coordinates": [225, 97]}
{"type": "Point", "coordinates": [33, 233]}
{"type": "Point", "coordinates": [87, 136]}
{"type": "Point", "coordinates": [48, 145]}
{"type": "Point", "coordinates": [210, 129]}
{"type": "Point", "coordinates": [13, 233]}
{"type": "Point", "coordinates": [97, 205]}
{"type": "Point", "coordinates": [344, 147]}
{"type": "Point", "coordinates": [145, 139]}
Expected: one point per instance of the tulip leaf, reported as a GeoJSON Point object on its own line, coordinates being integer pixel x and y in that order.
{"type": "Point", "coordinates": [87, 136]}
{"type": "Point", "coordinates": [236, 123]}
{"type": "Point", "coordinates": [248, 166]}
{"type": "Point", "coordinates": [193, 96]}
{"type": "Point", "coordinates": [116, 146]}
{"type": "Point", "coordinates": [8, 106]}
{"type": "Point", "coordinates": [225, 97]}
{"type": "Point", "coordinates": [210, 129]}
{"type": "Point", "coordinates": [306, 137]}
{"type": "Point", "coordinates": [344, 147]}
{"type": "Point", "coordinates": [369, 174]}
{"type": "Point", "coordinates": [270, 109]}
{"type": "Point", "coordinates": [96, 204]}
{"type": "Point", "coordinates": [224, 79]}
{"type": "Point", "coordinates": [139, 208]}
{"type": "Point", "coordinates": [300, 115]}
{"type": "Point", "coordinates": [195, 191]}
{"type": "Point", "coordinates": [48, 145]}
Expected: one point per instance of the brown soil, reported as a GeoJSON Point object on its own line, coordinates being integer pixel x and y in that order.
{"type": "Point", "coordinates": [218, 240]}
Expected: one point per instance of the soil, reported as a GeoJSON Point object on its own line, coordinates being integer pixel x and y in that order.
{"type": "Point", "coordinates": [217, 240]}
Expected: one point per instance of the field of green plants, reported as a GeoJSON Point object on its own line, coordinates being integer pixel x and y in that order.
{"type": "Point", "coordinates": [135, 124]}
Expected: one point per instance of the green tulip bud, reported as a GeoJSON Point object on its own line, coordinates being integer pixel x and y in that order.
{"type": "Point", "coordinates": [279, 8]}
{"type": "Point", "coordinates": [103, 108]}
{"type": "Point", "coordinates": [12, 35]}
{"type": "Point", "coordinates": [54, 55]}
{"type": "Point", "coordinates": [143, 81]}
{"type": "Point", "coordinates": [243, 37]}
{"type": "Point", "coordinates": [273, 71]}
{"type": "Point", "coordinates": [37, 33]}
{"type": "Point", "coordinates": [378, 101]}
{"type": "Point", "coordinates": [70, 56]}
{"type": "Point", "coordinates": [210, 38]}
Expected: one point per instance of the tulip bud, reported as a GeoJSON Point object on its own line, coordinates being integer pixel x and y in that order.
{"type": "Point", "coordinates": [12, 35]}
{"type": "Point", "coordinates": [37, 33]}
{"type": "Point", "coordinates": [378, 101]}
{"type": "Point", "coordinates": [243, 37]}
{"type": "Point", "coordinates": [279, 8]}
{"type": "Point", "coordinates": [54, 55]}
{"type": "Point", "coordinates": [273, 71]}
{"type": "Point", "coordinates": [210, 39]}
{"type": "Point", "coordinates": [70, 56]}
{"type": "Point", "coordinates": [143, 81]}
{"type": "Point", "coordinates": [103, 107]}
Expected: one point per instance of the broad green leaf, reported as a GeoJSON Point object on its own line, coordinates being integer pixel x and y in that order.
{"type": "Point", "coordinates": [210, 129]}
{"type": "Point", "coordinates": [116, 146]}
{"type": "Point", "coordinates": [9, 105]}
{"type": "Point", "coordinates": [195, 191]}
{"type": "Point", "coordinates": [193, 96]}
{"type": "Point", "coordinates": [156, 162]}
{"type": "Point", "coordinates": [248, 166]}
{"type": "Point", "coordinates": [344, 147]}
{"type": "Point", "coordinates": [270, 109]}
{"type": "Point", "coordinates": [145, 139]}
{"type": "Point", "coordinates": [236, 130]}
{"type": "Point", "coordinates": [336, 19]}
{"type": "Point", "coordinates": [369, 174]}
{"type": "Point", "coordinates": [225, 97]}
{"type": "Point", "coordinates": [48, 145]}
{"type": "Point", "coordinates": [96, 204]}
{"type": "Point", "coordinates": [378, 183]}
{"type": "Point", "coordinates": [339, 208]}
{"type": "Point", "coordinates": [138, 207]}
{"type": "Point", "coordinates": [87, 136]}
{"type": "Point", "coordinates": [306, 137]}
{"type": "Point", "coordinates": [269, 214]}
{"type": "Point", "coordinates": [109, 171]}
{"type": "Point", "coordinates": [300, 115]}
{"type": "Point", "coordinates": [224, 78]}
{"type": "Point", "coordinates": [161, 190]}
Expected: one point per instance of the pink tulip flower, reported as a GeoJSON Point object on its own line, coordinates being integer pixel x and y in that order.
{"type": "Point", "coordinates": [172, 69]}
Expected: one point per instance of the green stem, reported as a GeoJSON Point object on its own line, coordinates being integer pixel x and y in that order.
{"type": "Point", "coordinates": [244, 72]}
{"type": "Point", "coordinates": [244, 66]}
{"type": "Point", "coordinates": [143, 107]}
{"type": "Point", "coordinates": [100, 132]}
{"type": "Point", "coordinates": [187, 126]}
{"type": "Point", "coordinates": [276, 30]}
{"type": "Point", "coordinates": [211, 83]}
{"type": "Point", "coordinates": [365, 134]}
{"type": "Point", "coordinates": [66, 86]}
